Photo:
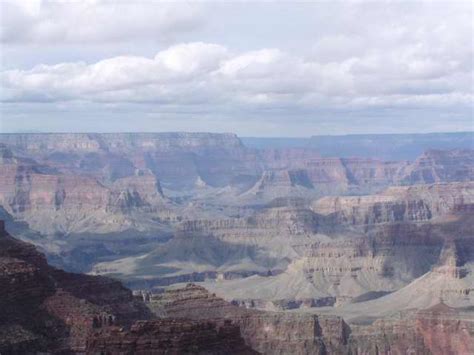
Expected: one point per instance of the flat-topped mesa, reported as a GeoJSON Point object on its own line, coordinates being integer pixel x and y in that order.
{"type": "Point", "coordinates": [93, 142]}
{"type": "Point", "coordinates": [176, 159]}
{"type": "Point", "coordinates": [170, 141]}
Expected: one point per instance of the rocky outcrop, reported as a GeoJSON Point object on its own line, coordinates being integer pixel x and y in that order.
{"type": "Point", "coordinates": [159, 209]}
{"type": "Point", "coordinates": [441, 166]}
{"type": "Point", "coordinates": [445, 330]}
{"type": "Point", "coordinates": [274, 184]}
{"type": "Point", "coordinates": [142, 190]}
{"type": "Point", "coordinates": [398, 204]}
{"type": "Point", "coordinates": [170, 336]}
{"type": "Point", "coordinates": [298, 256]}
{"type": "Point", "coordinates": [89, 142]}
{"type": "Point", "coordinates": [76, 183]}
{"type": "Point", "coordinates": [215, 158]}
{"type": "Point", "coordinates": [51, 202]}
{"type": "Point", "coordinates": [48, 310]}
{"type": "Point", "coordinates": [219, 248]}
{"type": "Point", "coordinates": [265, 332]}
{"type": "Point", "coordinates": [221, 159]}
{"type": "Point", "coordinates": [436, 330]}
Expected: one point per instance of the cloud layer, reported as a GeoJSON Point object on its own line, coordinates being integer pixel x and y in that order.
{"type": "Point", "coordinates": [388, 57]}
{"type": "Point", "coordinates": [204, 73]}
{"type": "Point", "coordinates": [94, 21]}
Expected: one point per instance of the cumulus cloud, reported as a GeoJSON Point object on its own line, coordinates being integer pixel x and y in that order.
{"type": "Point", "coordinates": [212, 73]}
{"type": "Point", "coordinates": [54, 21]}
{"type": "Point", "coordinates": [313, 59]}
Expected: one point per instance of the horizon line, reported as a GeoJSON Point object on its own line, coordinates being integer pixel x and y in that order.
{"type": "Point", "coordinates": [245, 136]}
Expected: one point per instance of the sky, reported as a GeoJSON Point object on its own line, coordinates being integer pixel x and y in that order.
{"type": "Point", "coordinates": [290, 69]}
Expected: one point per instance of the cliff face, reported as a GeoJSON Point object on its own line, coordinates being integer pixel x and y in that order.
{"type": "Point", "coordinates": [326, 169]}
{"type": "Point", "coordinates": [265, 332]}
{"type": "Point", "coordinates": [45, 308]}
{"type": "Point", "coordinates": [436, 330]}
{"type": "Point", "coordinates": [51, 201]}
{"type": "Point", "coordinates": [48, 310]}
{"type": "Point", "coordinates": [438, 165]}
{"type": "Point", "coordinates": [251, 225]}
{"type": "Point", "coordinates": [213, 157]}
{"type": "Point", "coordinates": [331, 253]}
{"type": "Point", "coordinates": [398, 204]}
{"type": "Point", "coordinates": [170, 336]}
{"type": "Point", "coordinates": [445, 331]}
{"type": "Point", "coordinates": [89, 142]}
{"type": "Point", "coordinates": [77, 183]}
{"type": "Point", "coordinates": [221, 159]}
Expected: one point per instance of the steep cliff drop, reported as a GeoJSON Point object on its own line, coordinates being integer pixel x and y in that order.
{"type": "Point", "coordinates": [437, 330]}
{"type": "Point", "coordinates": [44, 309]}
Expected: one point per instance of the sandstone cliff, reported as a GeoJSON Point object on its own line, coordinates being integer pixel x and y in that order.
{"type": "Point", "coordinates": [52, 202]}
{"type": "Point", "coordinates": [398, 204]}
{"type": "Point", "coordinates": [266, 332]}
{"type": "Point", "coordinates": [437, 330]}
{"type": "Point", "coordinates": [441, 166]}
{"type": "Point", "coordinates": [48, 310]}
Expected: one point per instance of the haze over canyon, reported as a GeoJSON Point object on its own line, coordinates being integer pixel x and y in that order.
{"type": "Point", "coordinates": [322, 254]}
{"type": "Point", "coordinates": [236, 177]}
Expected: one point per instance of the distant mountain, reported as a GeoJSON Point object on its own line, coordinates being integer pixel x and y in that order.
{"type": "Point", "coordinates": [378, 146]}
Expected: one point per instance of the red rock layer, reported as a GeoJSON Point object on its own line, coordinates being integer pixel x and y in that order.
{"type": "Point", "coordinates": [265, 332]}
{"type": "Point", "coordinates": [52, 309]}
{"type": "Point", "coordinates": [44, 309]}
{"type": "Point", "coordinates": [170, 336]}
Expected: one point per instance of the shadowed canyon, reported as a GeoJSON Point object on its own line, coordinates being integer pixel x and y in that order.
{"type": "Point", "coordinates": [209, 243]}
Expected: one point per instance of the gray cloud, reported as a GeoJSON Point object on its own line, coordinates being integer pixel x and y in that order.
{"type": "Point", "coordinates": [322, 60]}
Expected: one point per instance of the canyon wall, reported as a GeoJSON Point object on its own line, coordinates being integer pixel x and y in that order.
{"type": "Point", "coordinates": [48, 310]}
{"type": "Point", "coordinates": [436, 330]}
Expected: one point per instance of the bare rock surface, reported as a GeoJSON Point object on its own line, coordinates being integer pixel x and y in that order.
{"type": "Point", "coordinates": [283, 236]}
{"type": "Point", "coordinates": [48, 310]}
{"type": "Point", "coordinates": [439, 329]}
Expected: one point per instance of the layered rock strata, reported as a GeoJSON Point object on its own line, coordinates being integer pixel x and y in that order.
{"type": "Point", "coordinates": [265, 332]}
{"type": "Point", "coordinates": [436, 330]}
{"type": "Point", "coordinates": [48, 310]}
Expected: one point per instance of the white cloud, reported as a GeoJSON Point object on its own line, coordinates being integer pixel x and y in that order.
{"type": "Point", "coordinates": [191, 58]}
{"type": "Point", "coordinates": [212, 74]}
{"type": "Point", "coordinates": [312, 58]}
{"type": "Point", "coordinates": [43, 21]}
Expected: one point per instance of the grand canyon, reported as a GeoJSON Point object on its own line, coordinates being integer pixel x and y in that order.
{"type": "Point", "coordinates": [236, 177]}
{"type": "Point", "coordinates": [170, 243]}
